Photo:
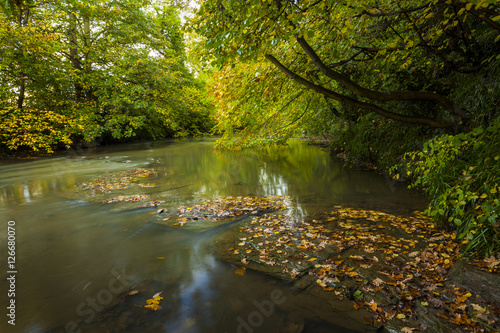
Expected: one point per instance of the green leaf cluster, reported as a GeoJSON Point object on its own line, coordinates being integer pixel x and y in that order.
{"type": "Point", "coordinates": [97, 72]}
{"type": "Point", "coordinates": [461, 176]}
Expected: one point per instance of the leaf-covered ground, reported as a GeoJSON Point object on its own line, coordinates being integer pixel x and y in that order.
{"type": "Point", "coordinates": [396, 267]}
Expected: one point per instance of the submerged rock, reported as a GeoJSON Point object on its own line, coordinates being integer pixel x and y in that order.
{"type": "Point", "coordinates": [480, 282]}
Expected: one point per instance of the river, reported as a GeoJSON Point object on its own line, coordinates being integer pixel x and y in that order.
{"type": "Point", "coordinates": [75, 256]}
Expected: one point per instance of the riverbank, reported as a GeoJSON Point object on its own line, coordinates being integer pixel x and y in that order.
{"type": "Point", "coordinates": [401, 270]}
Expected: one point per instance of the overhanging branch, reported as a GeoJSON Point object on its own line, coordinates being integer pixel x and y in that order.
{"type": "Point", "coordinates": [348, 100]}
{"type": "Point", "coordinates": [376, 95]}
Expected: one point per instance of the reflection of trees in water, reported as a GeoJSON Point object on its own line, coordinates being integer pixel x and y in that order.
{"type": "Point", "coordinates": [193, 170]}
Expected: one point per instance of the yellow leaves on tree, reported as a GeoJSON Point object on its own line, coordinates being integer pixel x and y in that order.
{"type": "Point", "coordinates": [37, 130]}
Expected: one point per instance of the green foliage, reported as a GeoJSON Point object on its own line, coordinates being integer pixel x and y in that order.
{"type": "Point", "coordinates": [461, 176]}
{"type": "Point", "coordinates": [375, 141]}
{"type": "Point", "coordinates": [99, 71]}
{"type": "Point", "coordinates": [382, 46]}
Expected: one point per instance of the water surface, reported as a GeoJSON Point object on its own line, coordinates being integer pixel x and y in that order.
{"type": "Point", "coordinates": [75, 255]}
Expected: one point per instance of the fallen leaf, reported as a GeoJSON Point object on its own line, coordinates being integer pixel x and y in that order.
{"type": "Point", "coordinates": [373, 305]}
{"type": "Point", "coordinates": [478, 308]}
{"type": "Point", "coordinates": [377, 282]}
{"type": "Point", "coordinates": [492, 262]}
{"type": "Point", "coordinates": [153, 306]}
{"type": "Point", "coordinates": [240, 271]}
{"type": "Point", "coordinates": [154, 303]}
{"type": "Point", "coordinates": [407, 329]}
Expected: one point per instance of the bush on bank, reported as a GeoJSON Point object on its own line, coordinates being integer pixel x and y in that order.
{"type": "Point", "coordinates": [461, 177]}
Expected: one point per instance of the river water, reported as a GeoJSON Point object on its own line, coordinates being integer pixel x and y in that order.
{"type": "Point", "coordinates": [76, 256]}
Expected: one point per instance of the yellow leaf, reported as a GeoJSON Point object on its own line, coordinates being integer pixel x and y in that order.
{"type": "Point", "coordinates": [240, 271]}
{"type": "Point", "coordinates": [484, 195]}
{"type": "Point", "coordinates": [154, 303]}
{"type": "Point", "coordinates": [373, 306]}
{"type": "Point", "coordinates": [153, 306]}
{"type": "Point", "coordinates": [320, 283]}
{"type": "Point", "coordinates": [160, 257]}
{"type": "Point", "coordinates": [401, 316]}
{"type": "Point", "coordinates": [312, 259]}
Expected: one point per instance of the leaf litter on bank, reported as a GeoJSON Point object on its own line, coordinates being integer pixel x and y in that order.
{"type": "Point", "coordinates": [393, 266]}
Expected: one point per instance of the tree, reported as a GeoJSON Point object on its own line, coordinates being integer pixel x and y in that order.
{"type": "Point", "coordinates": [96, 72]}
{"type": "Point", "coordinates": [389, 58]}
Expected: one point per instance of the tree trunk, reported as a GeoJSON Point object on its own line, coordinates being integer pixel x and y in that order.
{"type": "Point", "coordinates": [73, 55]}
{"type": "Point", "coordinates": [23, 19]}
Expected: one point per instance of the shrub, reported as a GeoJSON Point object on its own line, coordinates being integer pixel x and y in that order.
{"type": "Point", "coordinates": [461, 177]}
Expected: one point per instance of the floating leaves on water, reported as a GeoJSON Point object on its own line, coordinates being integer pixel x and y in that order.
{"type": "Point", "coordinates": [230, 207]}
{"type": "Point", "coordinates": [115, 181]}
{"type": "Point", "coordinates": [128, 198]}
{"type": "Point", "coordinates": [154, 303]}
{"type": "Point", "coordinates": [147, 185]}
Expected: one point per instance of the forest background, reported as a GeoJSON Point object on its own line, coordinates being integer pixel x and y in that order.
{"type": "Point", "coordinates": [408, 87]}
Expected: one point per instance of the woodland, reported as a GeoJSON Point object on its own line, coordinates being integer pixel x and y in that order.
{"type": "Point", "coordinates": [407, 88]}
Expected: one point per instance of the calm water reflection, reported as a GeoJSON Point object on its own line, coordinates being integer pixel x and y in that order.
{"type": "Point", "coordinates": [70, 249]}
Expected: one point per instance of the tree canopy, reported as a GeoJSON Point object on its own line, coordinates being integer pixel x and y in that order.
{"type": "Point", "coordinates": [406, 86]}
{"type": "Point", "coordinates": [90, 71]}
{"type": "Point", "coordinates": [394, 59]}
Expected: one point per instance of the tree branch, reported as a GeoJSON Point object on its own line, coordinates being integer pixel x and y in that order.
{"type": "Point", "coordinates": [381, 14]}
{"type": "Point", "coordinates": [376, 95]}
{"type": "Point", "coordinates": [363, 105]}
